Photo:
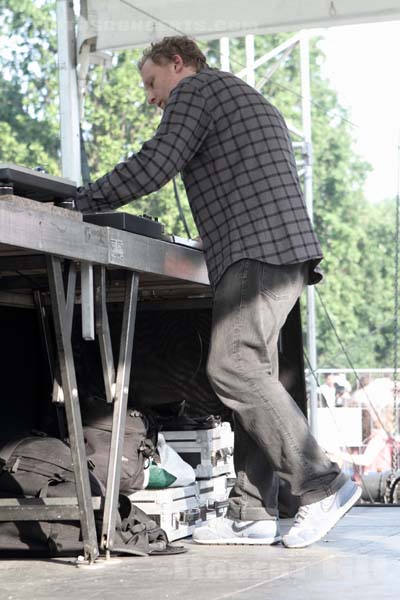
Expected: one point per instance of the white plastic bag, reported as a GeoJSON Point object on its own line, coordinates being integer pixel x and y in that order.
{"type": "Point", "coordinates": [171, 471]}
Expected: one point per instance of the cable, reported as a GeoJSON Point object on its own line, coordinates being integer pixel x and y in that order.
{"type": "Point", "coordinates": [238, 63]}
{"type": "Point", "coordinates": [30, 279]}
{"type": "Point", "coordinates": [180, 209]}
{"type": "Point", "coordinates": [344, 445]}
{"type": "Point", "coordinates": [85, 169]}
{"type": "Point", "coordinates": [147, 14]}
{"type": "Point", "coordinates": [396, 311]}
{"type": "Point", "coordinates": [349, 361]}
{"type": "Point", "coordinates": [371, 334]}
{"type": "Point", "coordinates": [300, 96]}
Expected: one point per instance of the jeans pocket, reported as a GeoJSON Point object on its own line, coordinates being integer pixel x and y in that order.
{"type": "Point", "coordinates": [280, 282]}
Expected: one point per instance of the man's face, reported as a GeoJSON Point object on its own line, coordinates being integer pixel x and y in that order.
{"type": "Point", "coordinates": [330, 380]}
{"type": "Point", "coordinates": [159, 81]}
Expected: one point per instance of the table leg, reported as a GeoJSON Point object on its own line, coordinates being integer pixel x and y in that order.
{"type": "Point", "coordinates": [119, 412]}
{"type": "Point", "coordinates": [62, 325]}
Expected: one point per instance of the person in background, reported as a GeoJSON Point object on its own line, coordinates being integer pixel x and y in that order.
{"type": "Point", "coordinates": [342, 396]}
{"type": "Point", "coordinates": [328, 391]}
{"type": "Point", "coordinates": [380, 445]}
{"type": "Point", "coordinates": [341, 379]}
{"type": "Point", "coordinates": [233, 150]}
{"type": "Point", "coordinates": [360, 396]}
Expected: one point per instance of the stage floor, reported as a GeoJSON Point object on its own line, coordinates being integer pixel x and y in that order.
{"type": "Point", "coordinates": [360, 558]}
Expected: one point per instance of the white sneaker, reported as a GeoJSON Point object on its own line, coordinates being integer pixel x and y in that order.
{"type": "Point", "coordinates": [229, 531]}
{"type": "Point", "coordinates": [313, 521]}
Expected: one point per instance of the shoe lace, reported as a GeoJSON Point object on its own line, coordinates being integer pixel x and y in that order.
{"type": "Point", "coordinates": [301, 514]}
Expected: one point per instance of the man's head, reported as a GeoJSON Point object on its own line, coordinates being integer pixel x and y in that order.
{"type": "Point", "coordinates": [166, 63]}
{"type": "Point", "coordinates": [329, 379]}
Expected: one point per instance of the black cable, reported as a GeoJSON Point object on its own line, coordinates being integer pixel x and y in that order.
{"type": "Point", "coordinates": [349, 360]}
{"type": "Point", "coordinates": [300, 96]}
{"type": "Point", "coordinates": [201, 356]}
{"type": "Point", "coordinates": [337, 426]}
{"type": "Point", "coordinates": [238, 63]}
{"type": "Point", "coordinates": [371, 334]}
{"type": "Point", "coordinates": [30, 279]}
{"type": "Point", "coordinates": [180, 209]}
{"type": "Point", "coordinates": [85, 169]}
{"type": "Point", "coordinates": [396, 314]}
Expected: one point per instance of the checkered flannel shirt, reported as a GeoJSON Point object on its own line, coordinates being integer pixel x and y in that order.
{"type": "Point", "coordinates": [233, 150]}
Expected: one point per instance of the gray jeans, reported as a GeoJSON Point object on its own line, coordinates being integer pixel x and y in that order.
{"type": "Point", "coordinates": [272, 437]}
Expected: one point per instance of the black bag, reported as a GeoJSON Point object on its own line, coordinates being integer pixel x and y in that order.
{"type": "Point", "coordinates": [42, 467]}
{"type": "Point", "coordinates": [139, 444]}
{"type": "Point", "coordinates": [137, 534]}
{"type": "Point", "coordinates": [39, 467]}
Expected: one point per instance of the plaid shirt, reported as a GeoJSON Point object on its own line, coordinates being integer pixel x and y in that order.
{"type": "Point", "coordinates": [233, 150]}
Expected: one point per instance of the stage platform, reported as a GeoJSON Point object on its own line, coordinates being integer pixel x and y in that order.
{"type": "Point", "coordinates": [360, 558]}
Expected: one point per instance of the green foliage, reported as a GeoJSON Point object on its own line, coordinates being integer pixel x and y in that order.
{"type": "Point", "coordinates": [28, 84]}
{"type": "Point", "coordinates": [357, 237]}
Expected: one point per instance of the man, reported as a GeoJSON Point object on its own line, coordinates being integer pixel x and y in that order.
{"type": "Point", "coordinates": [234, 153]}
{"type": "Point", "coordinates": [328, 391]}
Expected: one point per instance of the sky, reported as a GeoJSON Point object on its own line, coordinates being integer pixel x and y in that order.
{"type": "Point", "coordinates": [363, 65]}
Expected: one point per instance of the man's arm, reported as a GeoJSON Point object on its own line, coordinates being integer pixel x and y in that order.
{"type": "Point", "coordinates": [183, 128]}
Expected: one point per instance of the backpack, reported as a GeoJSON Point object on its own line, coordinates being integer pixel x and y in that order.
{"type": "Point", "coordinates": [40, 467]}
{"type": "Point", "coordinates": [140, 444]}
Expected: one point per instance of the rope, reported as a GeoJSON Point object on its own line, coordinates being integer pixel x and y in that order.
{"type": "Point", "coordinates": [339, 430]}
{"type": "Point", "coordinates": [332, 10]}
{"type": "Point", "coordinates": [371, 404]}
{"type": "Point", "coordinates": [238, 63]}
{"type": "Point", "coordinates": [395, 458]}
{"type": "Point", "coordinates": [180, 209]}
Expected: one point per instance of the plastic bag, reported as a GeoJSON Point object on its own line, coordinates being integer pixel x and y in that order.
{"type": "Point", "coordinates": [170, 471]}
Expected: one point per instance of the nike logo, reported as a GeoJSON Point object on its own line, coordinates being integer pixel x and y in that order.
{"type": "Point", "coordinates": [239, 528]}
{"type": "Point", "coordinates": [328, 503]}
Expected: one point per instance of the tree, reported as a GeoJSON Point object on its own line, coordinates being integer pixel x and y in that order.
{"type": "Point", "coordinates": [28, 84]}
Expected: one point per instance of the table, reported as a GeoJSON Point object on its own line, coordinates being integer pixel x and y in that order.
{"type": "Point", "coordinates": [42, 240]}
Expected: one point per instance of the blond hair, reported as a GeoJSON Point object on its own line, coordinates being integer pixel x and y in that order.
{"type": "Point", "coordinates": [164, 51]}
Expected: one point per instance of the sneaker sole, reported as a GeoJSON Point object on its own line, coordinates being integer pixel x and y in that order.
{"type": "Point", "coordinates": [341, 513]}
{"type": "Point", "coordinates": [241, 541]}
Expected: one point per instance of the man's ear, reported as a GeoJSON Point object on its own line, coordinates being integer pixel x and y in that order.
{"type": "Point", "coordinates": [178, 63]}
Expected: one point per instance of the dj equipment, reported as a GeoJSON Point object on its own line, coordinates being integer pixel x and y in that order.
{"type": "Point", "coordinates": [208, 451]}
{"type": "Point", "coordinates": [38, 185]}
{"type": "Point", "coordinates": [143, 225]}
{"type": "Point", "coordinates": [34, 184]}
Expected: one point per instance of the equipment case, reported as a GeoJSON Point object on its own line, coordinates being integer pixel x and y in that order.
{"type": "Point", "coordinates": [176, 510]}
{"type": "Point", "coordinates": [208, 451]}
{"type": "Point", "coordinates": [179, 510]}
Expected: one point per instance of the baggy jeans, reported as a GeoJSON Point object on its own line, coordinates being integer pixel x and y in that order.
{"type": "Point", "coordinates": [272, 438]}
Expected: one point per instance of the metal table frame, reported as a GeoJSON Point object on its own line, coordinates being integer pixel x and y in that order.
{"type": "Point", "coordinates": [28, 226]}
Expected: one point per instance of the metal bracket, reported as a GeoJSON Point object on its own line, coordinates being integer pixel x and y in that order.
{"type": "Point", "coordinates": [103, 332]}
{"type": "Point", "coordinates": [87, 302]}
{"type": "Point", "coordinates": [58, 395]}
